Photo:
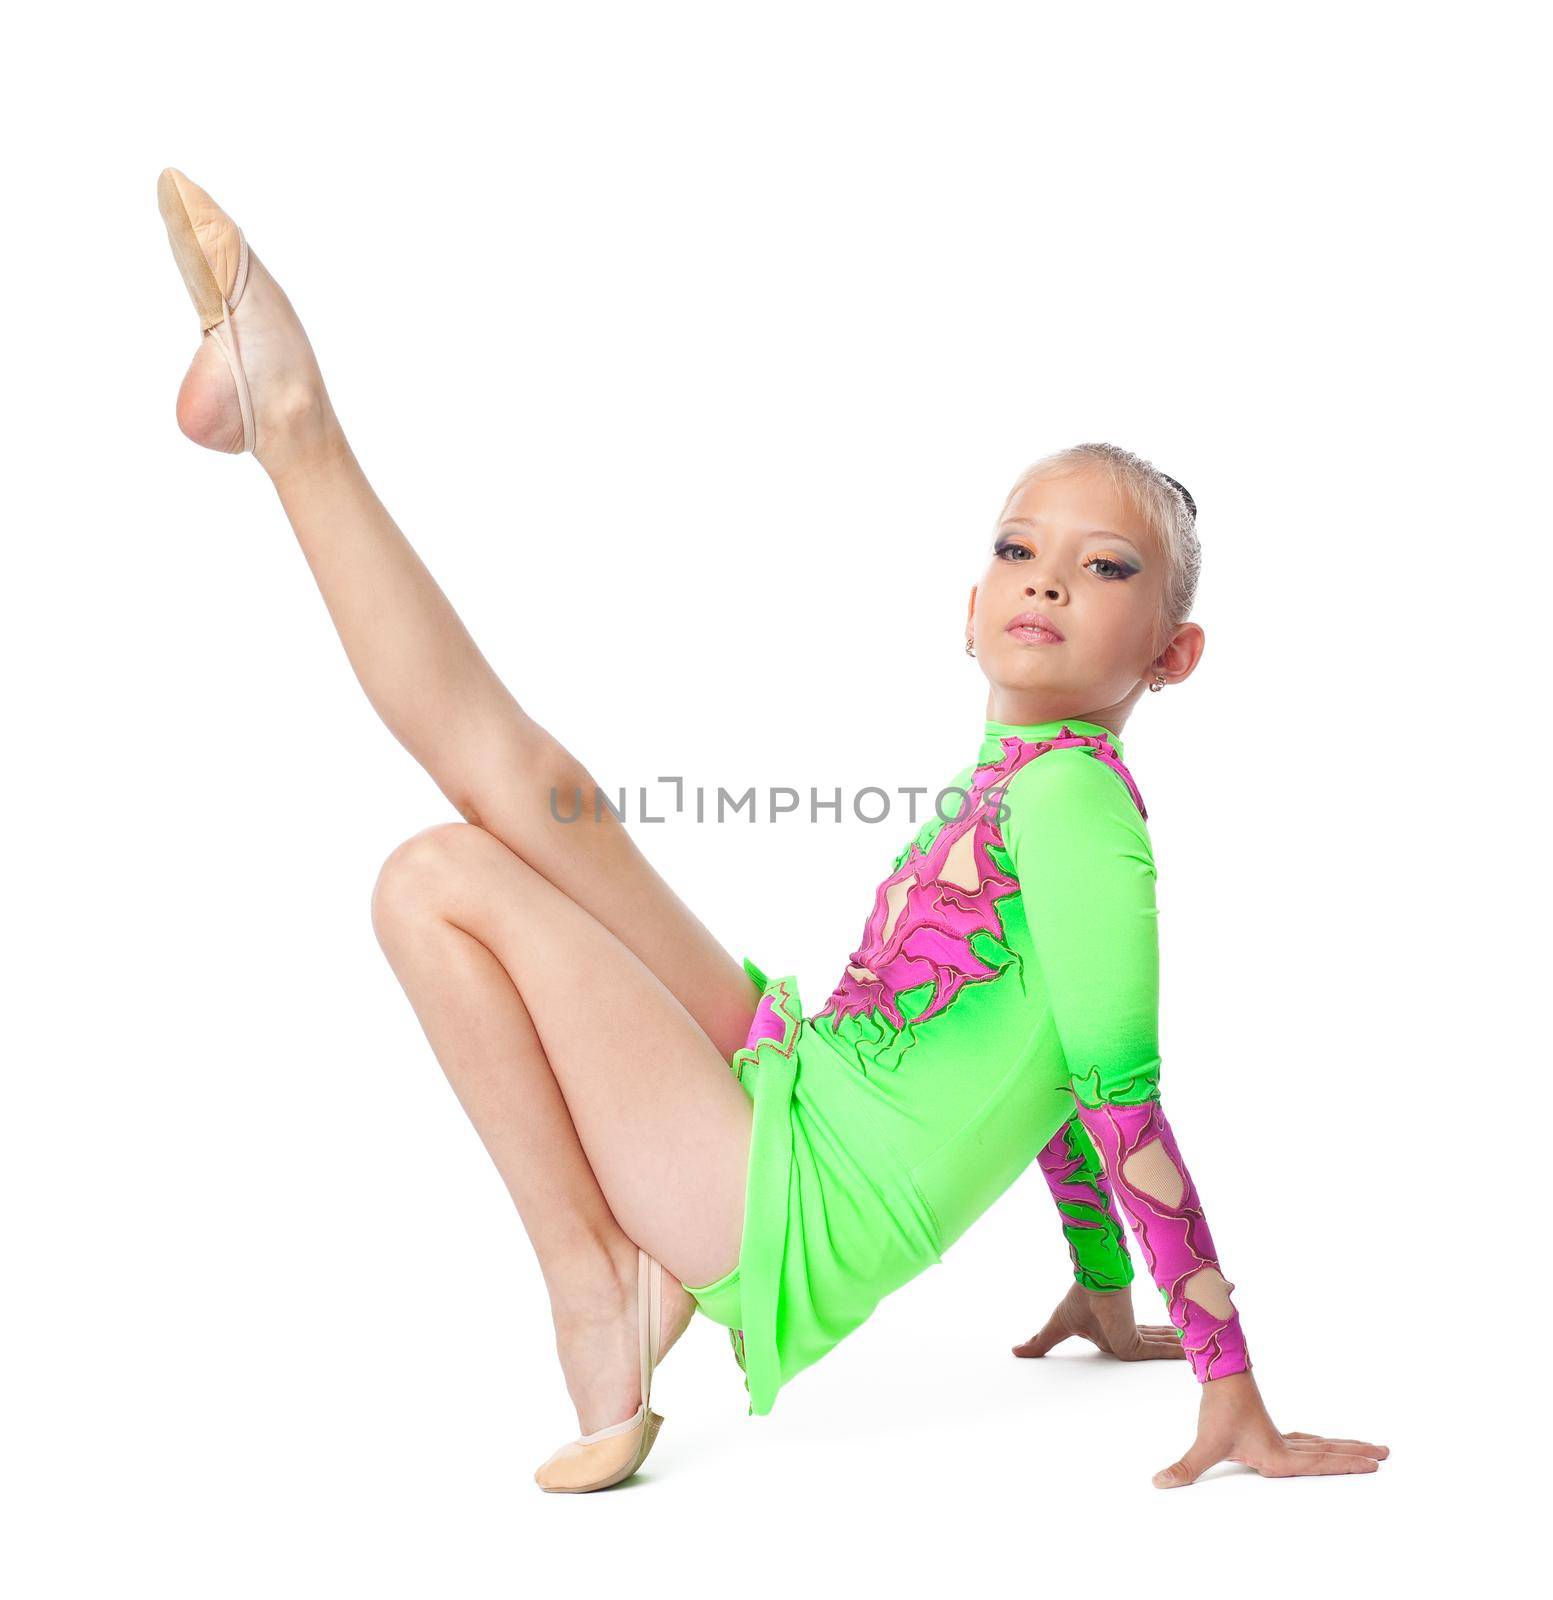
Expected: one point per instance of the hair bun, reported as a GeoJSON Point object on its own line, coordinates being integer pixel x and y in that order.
{"type": "Point", "coordinates": [1186, 494]}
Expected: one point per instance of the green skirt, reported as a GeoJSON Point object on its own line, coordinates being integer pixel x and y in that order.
{"type": "Point", "coordinates": [833, 1221]}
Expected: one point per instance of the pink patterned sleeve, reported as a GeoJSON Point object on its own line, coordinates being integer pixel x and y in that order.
{"type": "Point", "coordinates": [1151, 1180]}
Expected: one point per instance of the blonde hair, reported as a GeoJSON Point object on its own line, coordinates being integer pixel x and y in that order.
{"type": "Point", "coordinates": [1165, 506]}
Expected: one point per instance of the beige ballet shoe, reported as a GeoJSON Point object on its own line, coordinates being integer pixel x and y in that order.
{"type": "Point", "coordinates": [212, 255]}
{"type": "Point", "coordinates": [599, 1460]}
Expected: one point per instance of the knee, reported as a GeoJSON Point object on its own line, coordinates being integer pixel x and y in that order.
{"type": "Point", "coordinates": [418, 882]}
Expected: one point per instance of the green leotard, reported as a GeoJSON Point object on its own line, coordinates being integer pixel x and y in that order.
{"type": "Point", "coordinates": [1004, 996]}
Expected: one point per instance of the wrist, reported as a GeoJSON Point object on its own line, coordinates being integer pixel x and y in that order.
{"type": "Point", "coordinates": [1236, 1391]}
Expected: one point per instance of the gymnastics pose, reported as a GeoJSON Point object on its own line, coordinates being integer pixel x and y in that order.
{"type": "Point", "coordinates": [1000, 1008]}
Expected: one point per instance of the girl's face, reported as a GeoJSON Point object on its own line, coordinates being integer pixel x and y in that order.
{"type": "Point", "coordinates": [1072, 558]}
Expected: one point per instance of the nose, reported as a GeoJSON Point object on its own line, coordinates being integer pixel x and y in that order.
{"type": "Point", "coordinates": [1039, 585]}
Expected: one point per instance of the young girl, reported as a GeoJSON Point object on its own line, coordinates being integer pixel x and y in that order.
{"type": "Point", "coordinates": [1001, 1006]}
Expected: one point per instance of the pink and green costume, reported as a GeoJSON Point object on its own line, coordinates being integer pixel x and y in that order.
{"type": "Point", "coordinates": [1001, 1008]}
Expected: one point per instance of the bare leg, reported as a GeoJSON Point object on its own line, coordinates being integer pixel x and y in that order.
{"type": "Point", "coordinates": [663, 1123]}
{"type": "Point", "coordinates": [664, 1138]}
{"type": "Point", "coordinates": [674, 1172]}
{"type": "Point", "coordinates": [424, 674]}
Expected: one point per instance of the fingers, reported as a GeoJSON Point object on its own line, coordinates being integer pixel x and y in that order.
{"type": "Point", "coordinates": [1189, 1468]}
{"type": "Point", "coordinates": [1154, 1344]}
{"type": "Point", "coordinates": [1163, 1352]}
{"type": "Point", "coordinates": [1143, 1348]}
{"type": "Point", "coordinates": [1192, 1464]}
{"type": "Point", "coordinates": [1314, 1463]}
{"type": "Point", "coordinates": [1150, 1343]}
{"type": "Point", "coordinates": [1048, 1338]}
{"type": "Point", "coordinates": [1350, 1447]}
{"type": "Point", "coordinates": [1280, 1455]}
{"type": "Point", "coordinates": [1301, 1459]}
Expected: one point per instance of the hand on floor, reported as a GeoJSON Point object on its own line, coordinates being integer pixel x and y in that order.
{"type": "Point", "coordinates": [1233, 1425]}
{"type": "Point", "coordinates": [1106, 1320]}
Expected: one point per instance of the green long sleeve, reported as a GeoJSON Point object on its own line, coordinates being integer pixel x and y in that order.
{"type": "Point", "coordinates": [1086, 872]}
{"type": "Point", "coordinates": [1081, 849]}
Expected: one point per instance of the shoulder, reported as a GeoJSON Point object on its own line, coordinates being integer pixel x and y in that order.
{"type": "Point", "coordinates": [1070, 774]}
{"type": "Point", "coordinates": [1070, 793]}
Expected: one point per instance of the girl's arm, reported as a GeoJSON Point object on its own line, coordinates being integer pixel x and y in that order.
{"type": "Point", "coordinates": [1085, 864]}
{"type": "Point", "coordinates": [1086, 870]}
{"type": "Point", "coordinates": [1098, 1304]}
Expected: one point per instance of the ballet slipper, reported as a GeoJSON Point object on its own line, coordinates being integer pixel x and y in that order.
{"type": "Point", "coordinates": [212, 255]}
{"type": "Point", "coordinates": [602, 1459]}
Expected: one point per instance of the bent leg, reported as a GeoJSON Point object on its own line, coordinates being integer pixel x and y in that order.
{"type": "Point", "coordinates": [662, 1123]}
{"type": "Point", "coordinates": [480, 1030]}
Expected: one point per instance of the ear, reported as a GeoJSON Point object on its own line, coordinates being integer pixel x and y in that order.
{"type": "Point", "coordinates": [970, 611]}
{"type": "Point", "coordinates": [1180, 657]}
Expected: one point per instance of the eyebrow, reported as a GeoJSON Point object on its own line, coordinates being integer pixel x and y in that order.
{"type": "Point", "coordinates": [1092, 533]}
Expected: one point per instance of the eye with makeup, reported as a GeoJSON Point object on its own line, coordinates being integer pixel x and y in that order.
{"type": "Point", "coordinates": [1112, 569]}
{"type": "Point", "coordinates": [1119, 569]}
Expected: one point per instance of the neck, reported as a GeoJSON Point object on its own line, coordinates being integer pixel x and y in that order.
{"type": "Point", "coordinates": [1026, 709]}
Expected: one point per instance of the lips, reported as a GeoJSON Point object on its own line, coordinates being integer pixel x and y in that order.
{"type": "Point", "coordinates": [1033, 628]}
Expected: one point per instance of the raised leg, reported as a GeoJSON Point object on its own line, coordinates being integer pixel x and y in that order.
{"type": "Point", "coordinates": [612, 1118]}
{"type": "Point", "coordinates": [424, 674]}
{"type": "Point", "coordinates": [582, 1012]}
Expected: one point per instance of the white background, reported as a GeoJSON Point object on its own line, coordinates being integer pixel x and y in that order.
{"type": "Point", "coordinates": [695, 348]}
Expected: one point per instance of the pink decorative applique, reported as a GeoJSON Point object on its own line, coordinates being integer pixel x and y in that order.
{"type": "Point", "coordinates": [766, 1023]}
{"type": "Point", "coordinates": [774, 1024]}
{"type": "Point", "coordinates": [927, 910]}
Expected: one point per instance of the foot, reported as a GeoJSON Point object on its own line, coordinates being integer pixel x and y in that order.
{"type": "Point", "coordinates": [291, 408]}
{"type": "Point", "coordinates": [597, 1342]}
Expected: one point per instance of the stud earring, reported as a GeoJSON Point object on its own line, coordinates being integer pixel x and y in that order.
{"type": "Point", "coordinates": [1157, 685]}
{"type": "Point", "coordinates": [970, 649]}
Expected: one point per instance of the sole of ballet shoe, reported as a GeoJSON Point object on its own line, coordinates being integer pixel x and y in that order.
{"type": "Point", "coordinates": [212, 257]}
{"type": "Point", "coordinates": [611, 1455]}
{"type": "Point", "coordinates": [580, 1467]}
